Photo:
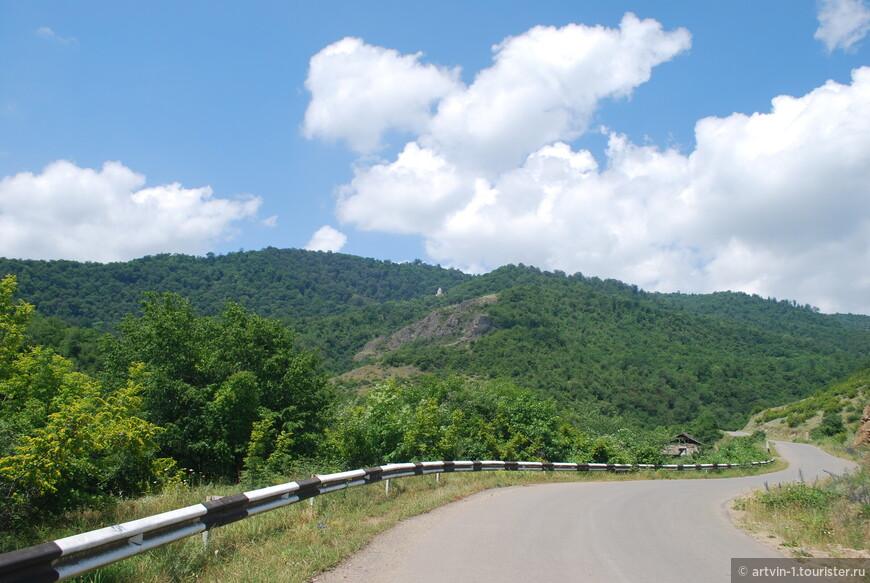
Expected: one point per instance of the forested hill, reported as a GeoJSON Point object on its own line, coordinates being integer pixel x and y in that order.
{"type": "Point", "coordinates": [660, 358]}
{"type": "Point", "coordinates": [779, 316]}
{"type": "Point", "coordinates": [585, 339]}
{"type": "Point", "coordinates": [278, 283]}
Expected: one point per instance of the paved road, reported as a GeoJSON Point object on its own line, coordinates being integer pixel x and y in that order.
{"type": "Point", "coordinates": [657, 530]}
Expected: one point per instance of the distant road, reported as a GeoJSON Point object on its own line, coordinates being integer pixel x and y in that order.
{"type": "Point", "coordinates": [655, 530]}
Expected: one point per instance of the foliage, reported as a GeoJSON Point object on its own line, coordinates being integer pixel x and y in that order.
{"type": "Point", "coordinates": [797, 495]}
{"type": "Point", "coordinates": [831, 398]}
{"type": "Point", "coordinates": [581, 340]}
{"type": "Point", "coordinates": [452, 419]}
{"type": "Point", "coordinates": [287, 284]}
{"type": "Point", "coordinates": [832, 425]}
{"type": "Point", "coordinates": [223, 388]}
{"type": "Point", "coordinates": [64, 440]}
{"type": "Point", "coordinates": [823, 515]}
{"type": "Point", "coordinates": [735, 450]}
{"type": "Point", "coordinates": [659, 358]}
{"type": "Point", "coordinates": [81, 346]}
{"type": "Point", "coordinates": [706, 428]}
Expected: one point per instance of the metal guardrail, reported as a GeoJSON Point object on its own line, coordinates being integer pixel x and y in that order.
{"type": "Point", "coordinates": [71, 556]}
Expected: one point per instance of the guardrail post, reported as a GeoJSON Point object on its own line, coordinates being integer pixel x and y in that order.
{"type": "Point", "coordinates": [206, 534]}
{"type": "Point", "coordinates": [387, 482]}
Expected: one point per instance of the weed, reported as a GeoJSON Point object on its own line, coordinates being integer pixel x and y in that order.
{"type": "Point", "coordinates": [797, 495]}
{"type": "Point", "coordinates": [835, 511]}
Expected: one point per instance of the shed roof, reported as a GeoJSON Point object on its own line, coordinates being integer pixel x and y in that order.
{"type": "Point", "coordinates": [685, 438]}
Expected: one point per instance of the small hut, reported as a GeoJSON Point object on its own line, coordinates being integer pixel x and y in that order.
{"type": "Point", "coordinates": [681, 445]}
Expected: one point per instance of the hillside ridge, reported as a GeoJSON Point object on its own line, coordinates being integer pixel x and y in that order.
{"type": "Point", "coordinates": [587, 342]}
{"type": "Point", "coordinates": [451, 326]}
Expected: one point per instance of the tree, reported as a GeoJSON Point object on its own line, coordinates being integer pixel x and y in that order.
{"type": "Point", "coordinates": [64, 440]}
{"type": "Point", "coordinates": [706, 429]}
{"type": "Point", "coordinates": [211, 381]}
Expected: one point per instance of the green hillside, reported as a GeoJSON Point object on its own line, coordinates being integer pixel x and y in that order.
{"type": "Point", "coordinates": [832, 411]}
{"type": "Point", "coordinates": [657, 358]}
{"type": "Point", "coordinates": [279, 283]}
{"type": "Point", "coordinates": [586, 340]}
{"type": "Point", "coordinates": [778, 316]}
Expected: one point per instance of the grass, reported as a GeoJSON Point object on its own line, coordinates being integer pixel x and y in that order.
{"type": "Point", "coordinates": [828, 518]}
{"type": "Point", "coordinates": [295, 543]}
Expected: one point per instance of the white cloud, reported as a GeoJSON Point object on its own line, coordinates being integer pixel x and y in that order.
{"type": "Point", "coordinates": [326, 239]}
{"type": "Point", "coordinates": [561, 211]}
{"type": "Point", "coordinates": [544, 86]}
{"type": "Point", "coordinates": [842, 23]}
{"type": "Point", "coordinates": [48, 34]}
{"type": "Point", "coordinates": [410, 195]}
{"type": "Point", "coordinates": [67, 212]}
{"type": "Point", "coordinates": [773, 203]}
{"type": "Point", "coordinates": [359, 91]}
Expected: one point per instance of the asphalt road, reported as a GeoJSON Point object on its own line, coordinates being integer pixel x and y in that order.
{"type": "Point", "coordinates": [656, 530]}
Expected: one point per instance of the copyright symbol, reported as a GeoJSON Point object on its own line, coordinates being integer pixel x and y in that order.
{"type": "Point", "coordinates": [742, 571]}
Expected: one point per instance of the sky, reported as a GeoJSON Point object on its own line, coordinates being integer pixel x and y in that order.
{"type": "Point", "coordinates": [681, 146]}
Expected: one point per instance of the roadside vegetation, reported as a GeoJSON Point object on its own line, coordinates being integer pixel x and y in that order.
{"type": "Point", "coordinates": [828, 418]}
{"type": "Point", "coordinates": [829, 517]}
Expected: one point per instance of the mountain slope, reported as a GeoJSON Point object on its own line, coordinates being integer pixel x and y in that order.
{"type": "Point", "coordinates": [659, 363]}
{"type": "Point", "coordinates": [282, 283]}
{"type": "Point", "coordinates": [660, 358]}
{"type": "Point", "coordinates": [842, 402]}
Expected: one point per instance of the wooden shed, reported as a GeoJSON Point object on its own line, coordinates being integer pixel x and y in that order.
{"type": "Point", "coordinates": [681, 445]}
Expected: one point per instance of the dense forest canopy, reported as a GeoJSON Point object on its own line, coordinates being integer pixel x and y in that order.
{"type": "Point", "coordinates": [657, 358]}
{"type": "Point", "coordinates": [644, 359]}
{"type": "Point", "coordinates": [276, 283]}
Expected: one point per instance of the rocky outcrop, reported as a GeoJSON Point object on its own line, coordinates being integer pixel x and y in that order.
{"type": "Point", "coordinates": [863, 435]}
{"type": "Point", "coordinates": [450, 326]}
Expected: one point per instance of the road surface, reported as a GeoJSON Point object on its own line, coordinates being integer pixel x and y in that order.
{"type": "Point", "coordinates": [654, 530]}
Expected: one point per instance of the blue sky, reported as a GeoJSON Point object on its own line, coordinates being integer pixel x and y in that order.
{"type": "Point", "coordinates": [692, 146]}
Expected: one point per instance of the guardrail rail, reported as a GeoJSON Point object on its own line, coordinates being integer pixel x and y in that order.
{"type": "Point", "coordinates": [71, 556]}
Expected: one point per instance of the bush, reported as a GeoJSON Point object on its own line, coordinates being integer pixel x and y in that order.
{"type": "Point", "coordinates": [68, 441]}
{"type": "Point", "coordinates": [799, 495]}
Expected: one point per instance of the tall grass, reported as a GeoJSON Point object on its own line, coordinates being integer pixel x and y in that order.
{"type": "Point", "coordinates": [829, 516]}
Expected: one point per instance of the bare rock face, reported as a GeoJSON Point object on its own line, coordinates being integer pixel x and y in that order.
{"type": "Point", "coordinates": [450, 326]}
{"type": "Point", "coordinates": [863, 435]}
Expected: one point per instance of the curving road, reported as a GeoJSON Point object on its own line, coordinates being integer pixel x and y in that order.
{"type": "Point", "coordinates": [656, 530]}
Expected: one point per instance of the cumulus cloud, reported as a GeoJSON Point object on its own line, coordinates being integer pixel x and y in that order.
{"type": "Point", "coordinates": [544, 86]}
{"type": "Point", "coordinates": [326, 239]}
{"type": "Point", "coordinates": [773, 202]}
{"type": "Point", "coordinates": [359, 92]}
{"type": "Point", "coordinates": [842, 23]}
{"type": "Point", "coordinates": [410, 195]}
{"type": "Point", "coordinates": [68, 212]}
